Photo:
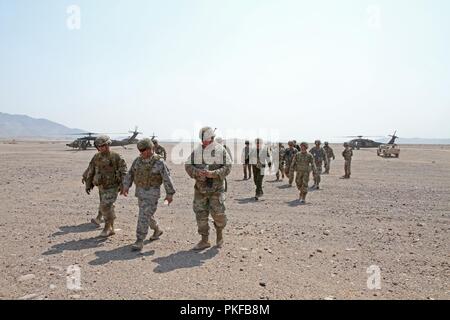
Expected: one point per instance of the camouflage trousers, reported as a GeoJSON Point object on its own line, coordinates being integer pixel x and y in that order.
{"type": "Point", "coordinates": [258, 179]}
{"type": "Point", "coordinates": [280, 169]}
{"type": "Point", "coordinates": [318, 172]}
{"type": "Point", "coordinates": [288, 174]}
{"type": "Point", "coordinates": [148, 203]}
{"type": "Point", "coordinates": [302, 181]}
{"type": "Point", "coordinates": [107, 199]}
{"type": "Point", "coordinates": [328, 166]}
{"type": "Point", "coordinates": [209, 203]}
{"type": "Point", "coordinates": [247, 168]}
{"type": "Point", "coordinates": [347, 167]}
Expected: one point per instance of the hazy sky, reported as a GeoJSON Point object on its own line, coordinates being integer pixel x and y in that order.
{"type": "Point", "coordinates": [301, 69]}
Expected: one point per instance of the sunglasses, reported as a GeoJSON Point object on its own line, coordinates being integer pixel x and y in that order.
{"type": "Point", "coordinates": [143, 150]}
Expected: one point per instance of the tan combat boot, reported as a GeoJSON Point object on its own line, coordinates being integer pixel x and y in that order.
{"type": "Point", "coordinates": [203, 244]}
{"type": "Point", "coordinates": [138, 245]}
{"type": "Point", "coordinates": [108, 230]}
{"type": "Point", "coordinates": [219, 238]}
{"type": "Point", "coordinates": [156, 234]}
{"type": "Point", "coordinates": [98, 220]}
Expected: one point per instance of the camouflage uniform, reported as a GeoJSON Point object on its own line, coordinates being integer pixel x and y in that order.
{"type": "Point", "coordinates": [303, 164]}
{"type": "Point", "coordinates": [148, 175]}
{"type": "Point", "coordinates": [330, 155]}
{"type": "Point", "coordinates": [106, 171]}
{"type": "Point", "coordinates": [209, 193]}
{"type": "Point", "coordinates": [347, 154]}
{"type": "Point", "coordinates": [246, 162]}
{"type": "Point", "coordinates": [289, 155]}
{"type": "Point", "coordinates": [320, 156]}
{"type": "Point", "coordinates": [259, 158]}
{"type": "Point", "coordinates": [159, 150]}
{"type": "Point", "coordinates": [281, 152]}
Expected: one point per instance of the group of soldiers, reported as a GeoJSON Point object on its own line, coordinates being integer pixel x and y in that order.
{"type": "Point", "coordinates": [209, 164]}
{"type": "Point", "coordinates": [293, 161]}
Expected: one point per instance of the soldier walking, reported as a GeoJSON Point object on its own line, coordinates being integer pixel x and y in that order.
{"type": "Point", "coordinates": [106, 171]}
{"type": "Point", "coordinates": [209, 164]}
{"type": "Point", "coordinates": [281, 162]}
{"type": "Point", "coordinates": [289, 155]}
{"type": "Point", "coordinates": [159, 149]}
{"type": "Point", "coordinates": [260, 157]}
{"type": "Point", "coordinates": [320, 157]}
{"type": "Point", "coordinates": [347, 154]}
{"type": "Point", "coordinates": [303, 163]}
{"type": "Point", "coordinates": [330, 155]}
{"type": "Point", "coordinates": [148, 172]}
{"type": "Point", "coordinates": [246, 161]}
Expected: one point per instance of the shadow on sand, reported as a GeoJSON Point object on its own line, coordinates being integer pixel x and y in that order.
{"type": "Point", "coordinates": [184, 259]}
{"type": "Point", "coordinates": [85, 227]}
{"type": "Point", "coordinates": [119, 254]}
{"type": "Point", "coordinates": [82, 244]}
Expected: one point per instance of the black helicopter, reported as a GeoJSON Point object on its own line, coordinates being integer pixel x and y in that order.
{"type": "Point", "coordinates": [367, 143]}
{"type": "Point", "coordinates": [83, 143]}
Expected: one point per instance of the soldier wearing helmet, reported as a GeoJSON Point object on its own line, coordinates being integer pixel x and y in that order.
{"type": "Point", "coordinates": [208, 165]}
{"type": "Point", "coordinates": [302, 164]}
{"type": "Point", "coordinates": [260, 157]}
{"type": "Point", "coordinates": [159, 149]}
{"type": "Point", "coordinates": [330, 155]}
{"type": "Point", "coordinates": [289, 155]}
{"type": "Point", "coordinates": [281, 150]}
{"type": "Point", "coordinates": [347, 154]}
{"type": "Point", "coordinates": [320, 157]}
{"type": "Point", "coordinates": [106, 171]}
{"type": "Point", "coordinates": [148, 172]}
{"type": "Point", "coordinates": [245, 158]}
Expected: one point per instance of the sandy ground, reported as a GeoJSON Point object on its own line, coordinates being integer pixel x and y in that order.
{"type": "Point", "coordinates": [393, 214]}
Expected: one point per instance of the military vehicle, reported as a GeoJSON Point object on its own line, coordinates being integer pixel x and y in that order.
{"type": "Point", "coordinates": [367, 143]}
{"type": "Point", "coordinates": [388, 151]}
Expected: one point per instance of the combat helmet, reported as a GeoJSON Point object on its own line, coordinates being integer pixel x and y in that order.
{"type": "Point", "coordinates": [101, 141]}
{"type": "Point", "coordinates": [318, 142]}
{"type": "Point", "coordinates": [145, 144]}
{"type": "Point", "coordinates": [346, 144]}
{"type": "Point", "coordinates": [304, 144]}
{"type": "Point", "coordinates": [325, 143]}
{"type": "Point", "coordinates": [206, 133]}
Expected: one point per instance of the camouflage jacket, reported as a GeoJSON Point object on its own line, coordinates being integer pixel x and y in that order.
{"type": "Point", "coordinates": [347, 154]}
{"type": "Point", "coordinates": [302, 162]}
{"type": "Point", "coordinates": [319, 154]}
{"type": "Point", "coordinates": [149, 173]}
{"type": "Point", "coordinates": [106, 170]}
{"type": "Point", "coordinates": [329, 152]}
{"type": "Point", "coordinates": [161, 151]}
{"type": "Point", "coordinates": [289, 155]}
{"type": "Point", "coordinates": [212, 158]}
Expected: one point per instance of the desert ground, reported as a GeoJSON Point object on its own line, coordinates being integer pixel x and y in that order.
{"type": "Point", "coordinates": [393, 214]}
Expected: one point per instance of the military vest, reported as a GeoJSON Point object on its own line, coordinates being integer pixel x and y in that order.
{"type": "Point", "coordinates": [107, 173]}
{"type": "Point", "coordinates": [303, 161]}
{"type": "Point", "coordinates": [144, 177]}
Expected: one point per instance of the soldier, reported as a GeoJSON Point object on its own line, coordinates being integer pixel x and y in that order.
{"type": "Point", "coordinates": [281, 152]}
{"type": "Point", "coordinates": [246, 160]}
{"type": "Point", "coordinates": [209, 164]}
{"type": "Point", "coordinates": [320, 156]}
{"type": "Point", "coordinates": [148, 172]}
{"type": "Point", "coordinates": [296, 146]}
{"type": "Point", "coordinates": [106, 171]}
{"type": "Point", "coordinates": [259, 157]}
{"type": "Point", "coordinates": [159, 149]}
{"type": "Point", "coordinates": [302, 163]}
{"type": "Point", "coordinates": [289, 154]}
{"type": "Point", "coordinates": [330, 154]}
{"type": "Point", "coordinates": [347, 154]}
{"type": "Point", "coordinates": [223, 144]}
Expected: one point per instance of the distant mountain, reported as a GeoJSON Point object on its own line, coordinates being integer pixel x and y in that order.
{"type": "Point", "coordinates": [21, 126]}
{"type": "Point", "coordinates": [422, 141]}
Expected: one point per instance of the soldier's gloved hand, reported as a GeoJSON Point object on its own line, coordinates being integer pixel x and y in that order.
{"type": "Point", "coordinates": [88, 191]}
{"type": "Point", "coordinates": [169, 199]}
{"type": "Point", "coordinates": [83, 180]}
